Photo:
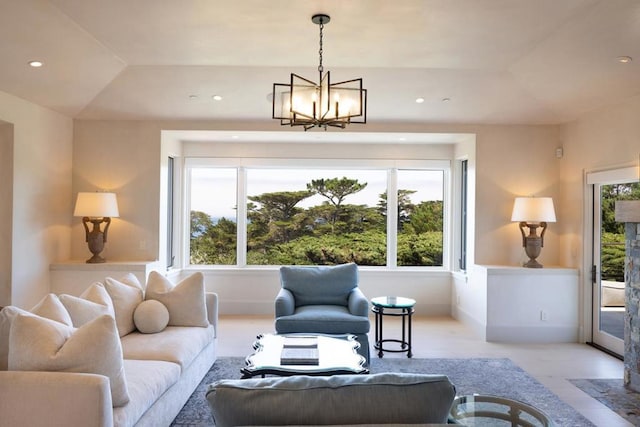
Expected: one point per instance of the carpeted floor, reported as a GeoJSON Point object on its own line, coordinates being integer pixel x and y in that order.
{"type": "Point", "coordinates": [613, 394]}
{"type": "Point", "coordinates": [485, 376]}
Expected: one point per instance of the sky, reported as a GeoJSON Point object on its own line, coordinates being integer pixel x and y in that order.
{"type": "Point", "coordinates": [213, 190]}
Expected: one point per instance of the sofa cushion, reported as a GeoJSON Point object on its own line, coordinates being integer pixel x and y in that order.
{"type": "Point", "coordinates": [177, 344]}
{"type": "Point", "coordinates": [327, 319]}
{"type": "Point", "coordinates": [49, 307]}
{"type": "Point", "coordinates": [39, 344]}
{"type": "Point", "coordinates": [151, 317]}
{"type": "Point", "coordinates": [147, 380]}
{"type": "Point", "coordinates": [185, 301]}
{"type": "Point", "coordinates": [126, 293]}
{"type": "Point", "coordinates": [93, 302]}
{"type": "Point", "coordinates": [320, 284]}
{"type": "Point", "coordinates": [352, 399]}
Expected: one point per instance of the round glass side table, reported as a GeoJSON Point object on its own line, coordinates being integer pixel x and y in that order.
{"type": "Point", "coordinates": [398, 307]}
{"type": "Point", "coordinates": [483, 410]}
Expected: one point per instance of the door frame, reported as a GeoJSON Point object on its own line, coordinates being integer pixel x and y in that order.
{"type": "Point", "coordinates": [593, 180]}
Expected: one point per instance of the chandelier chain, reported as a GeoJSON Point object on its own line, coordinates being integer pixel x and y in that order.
{"type": "Point", "coordinates": [320, 67]}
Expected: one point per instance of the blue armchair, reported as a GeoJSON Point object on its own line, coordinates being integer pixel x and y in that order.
{"type": "Point", "coordinates": [323, 299]}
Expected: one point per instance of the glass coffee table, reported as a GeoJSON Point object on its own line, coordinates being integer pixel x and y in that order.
{"type": "Point", "coordinates": [482, 410]}
{"type": "Point", "coordinates": [337, 355]}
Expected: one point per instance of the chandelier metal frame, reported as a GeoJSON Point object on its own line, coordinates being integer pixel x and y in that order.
{"type": "Point", "coordinates": [305, 103]}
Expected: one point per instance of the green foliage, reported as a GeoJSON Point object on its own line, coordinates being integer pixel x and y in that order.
{"type": "Point", "coordinates": [427, 216]}
{"type": "Point", "coordinates": [212, 243]}
{"type": "Point", "coordinates": [366, 248]}
{"type": "Point", "coordinates": [423, 249]}
{"type": "Point", "coordinates": [612, 256]}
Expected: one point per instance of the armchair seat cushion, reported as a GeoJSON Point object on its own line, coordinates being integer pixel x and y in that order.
{"type": "Point", "coordinates": [326, 319]}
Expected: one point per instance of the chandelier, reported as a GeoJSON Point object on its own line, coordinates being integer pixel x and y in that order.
{"type": "Point", "coordinates": [309, 104]}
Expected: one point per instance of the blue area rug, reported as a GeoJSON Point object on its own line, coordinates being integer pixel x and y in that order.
{"type": "Point", "coordinates": [500, 377]}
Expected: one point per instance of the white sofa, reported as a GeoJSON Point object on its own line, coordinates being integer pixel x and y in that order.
{"type": "Point", "coordinates": [161, 371]}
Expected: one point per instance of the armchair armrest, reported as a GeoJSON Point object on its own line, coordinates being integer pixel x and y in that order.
{"type": "Point", "coordinates": [358, 303]}
{"type": "Point", "coordinates": [285, 303]}
{"type": "Point", "coordinates": [211, 299]}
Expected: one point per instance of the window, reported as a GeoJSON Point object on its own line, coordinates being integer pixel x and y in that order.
{"type": "Point", "coordinates": [315, 216]}
{"type": "Point", "coordinates": [420, 217]}
{"type": "Point", "coordinates": [285, 213]}
{"type": "Point", "coordinates": [170, 206]}
{"type": "Point", "coordinates": [212, 216]}
{"type": "Point", "coordinates": [462, 262]}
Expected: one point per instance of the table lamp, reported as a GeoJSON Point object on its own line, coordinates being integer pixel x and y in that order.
{"type": "Point", "coordinates": [533, 212]}
{"type": "Point", "coordinates": [96, 208]}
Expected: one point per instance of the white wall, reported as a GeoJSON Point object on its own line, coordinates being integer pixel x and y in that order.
{"type": "Point", "coordinates": [600, 140]}
{"type": "Point", "coordinates": [41, 208]}
{"type": "Point", "coordinates": [123, 157]}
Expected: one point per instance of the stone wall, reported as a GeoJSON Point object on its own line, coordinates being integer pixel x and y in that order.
{"type": "Point", "coordinates": [632, 315]}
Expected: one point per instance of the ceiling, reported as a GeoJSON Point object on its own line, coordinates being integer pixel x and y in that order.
{"type": "Point", "coordinates": [496, 61]}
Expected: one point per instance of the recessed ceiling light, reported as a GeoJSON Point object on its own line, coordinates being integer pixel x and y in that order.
{"type": "Point", "coordinates": [446, 99]}
{"type": "Point", "coordinates": [193, 97]}
{"type": "Point", "coordinates": [624, 59]}
{"type": "Point", "coordinates": [419, 100]}
{"type": "Point", "coordinates": [217, 98]}
{"type": "Point", "coordinates": [36, 64]}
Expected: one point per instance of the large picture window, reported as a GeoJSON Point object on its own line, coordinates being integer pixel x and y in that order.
{"type": "Point", "coordinates": [291, 215]}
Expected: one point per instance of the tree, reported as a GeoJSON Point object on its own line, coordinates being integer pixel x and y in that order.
{"type": "Point", "coordinates": [405, 206]}
{"type": "Point", "coordinates": [276, 214]}
{"type": "Point", "coordinates": [335, 190]}
{"type": "Point", "coordinates": [427, 216]}
{"type": "Point", "coordinates": [212, 243]}
{"type": "Point", "coordinates": [609, 195]}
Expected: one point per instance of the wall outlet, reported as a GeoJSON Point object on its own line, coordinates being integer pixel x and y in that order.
{"type": "Point", "coordinates": [544, 316]}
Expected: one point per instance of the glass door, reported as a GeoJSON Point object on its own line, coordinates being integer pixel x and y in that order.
{"type": "Point", "coordinates": [608, 264]}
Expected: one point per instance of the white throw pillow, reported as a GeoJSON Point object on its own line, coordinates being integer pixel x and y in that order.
{"type": "Point", "coordinates": [49, 307]}
{"type": "Point", "coordinates": [151, 317]}
{"type": "Point", "coordinates": [126, 293]}
{"type": "Point", "coordinates": [185, 301]}
{"type": "Point", "coordinates": [93, 302]}
{"type": "Point", "coordinates": [39, 344]}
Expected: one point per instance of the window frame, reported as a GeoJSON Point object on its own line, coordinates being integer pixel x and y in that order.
{"type": "Point", "coordinates": [391, 166]}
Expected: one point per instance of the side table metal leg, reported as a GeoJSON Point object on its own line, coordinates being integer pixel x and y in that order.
{"type": "Point", "coordinates": [403, 343]}
{"type": "Point", "coordinates": [409, 353]}
{"type": "Point", "coordinates": [380, 316]}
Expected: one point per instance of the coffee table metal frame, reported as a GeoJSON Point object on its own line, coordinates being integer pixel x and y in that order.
{"type": "Point", "coordinates": [268, 346]}
{"type": "Point", "coordinates": [403, 307]}
{"type": "Point", "coordinates": [485, 407]}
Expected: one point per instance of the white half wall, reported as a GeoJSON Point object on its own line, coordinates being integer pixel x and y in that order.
{"type": "Point", "coordinates": [253, 290]}
{"type": "Point", "coordinates": [516, 304]}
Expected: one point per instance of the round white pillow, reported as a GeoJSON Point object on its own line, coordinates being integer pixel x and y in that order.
{"type": "Point", "coordinates": [151, 317]}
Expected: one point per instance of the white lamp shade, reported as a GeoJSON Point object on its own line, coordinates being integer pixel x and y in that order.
{"type": "Point", "coordinates": [96, 205]}
{"type": "Point", "coordinates": [533, 209]}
